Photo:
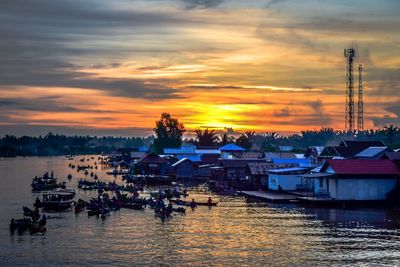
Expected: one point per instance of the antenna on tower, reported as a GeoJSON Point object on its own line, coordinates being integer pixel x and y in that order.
{"type": "Point", "coordinates": [360, 121]}
{"type": "Point", "coordinates": [349, 54]}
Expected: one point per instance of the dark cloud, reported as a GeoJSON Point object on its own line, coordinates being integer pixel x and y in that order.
{"type": "Point", "coordinates": [319, 117]}
{"type": "Point", "coordinates": [36, 104]}
{"type": "Point", "coordinates": [388, 119]}
{"type": "Point", "coordinates": [190, 4]}
{"type": "Point", "coordinates": [36, 130]}
{"type": "Point", "coordinates": [284, 112]}
{"type": "Point", "coordinates": [40, 40]}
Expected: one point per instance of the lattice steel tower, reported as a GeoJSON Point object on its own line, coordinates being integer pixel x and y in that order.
{"type": "Point", "coordinates": [349, 116]}
{"type": "Point", "coordinates": [360, 117]}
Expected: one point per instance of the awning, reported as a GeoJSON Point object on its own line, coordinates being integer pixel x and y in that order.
{"type": "Point", "coordinates": [317, 175]}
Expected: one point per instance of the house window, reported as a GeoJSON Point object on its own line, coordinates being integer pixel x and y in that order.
{"type": "Point", "coordinates": [321, 182]}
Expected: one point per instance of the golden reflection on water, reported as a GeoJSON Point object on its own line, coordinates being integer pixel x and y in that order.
{"type": "Point", "coordinates": [237, 232]}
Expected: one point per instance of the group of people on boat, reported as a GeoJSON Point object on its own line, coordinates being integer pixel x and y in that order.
{"type": "Point", "coordinates": [31, 221]}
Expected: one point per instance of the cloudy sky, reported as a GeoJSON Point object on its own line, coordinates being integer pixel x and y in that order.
{"type": "Point", "coordinates": [112, 67]}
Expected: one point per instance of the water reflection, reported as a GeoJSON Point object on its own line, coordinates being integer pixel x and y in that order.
{"type": "Point", "coordinates": [236, 232]}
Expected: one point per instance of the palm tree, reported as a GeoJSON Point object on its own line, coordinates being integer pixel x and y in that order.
{"type": "Point", "coordinates": [226, 139]}
{"type": "Point", "coordinates": [391, 132]}
{"type": "Point", "coordinates": [206, 137]}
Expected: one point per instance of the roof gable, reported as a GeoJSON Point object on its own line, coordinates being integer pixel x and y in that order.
{"type": "Point", "coordinates": [231, 147]}
{"type": "Point", "coordinates": [182, 161]}
{"type": "Point", "coordinates": [361, 166]}
{"type": "Point", "coordinates": [152, 158]}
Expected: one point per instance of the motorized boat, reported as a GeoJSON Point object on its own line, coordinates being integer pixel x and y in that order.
{"type": "Point", "coordinates": [56, 200]}
{"type": "Point", "coordinates": [45, 182]}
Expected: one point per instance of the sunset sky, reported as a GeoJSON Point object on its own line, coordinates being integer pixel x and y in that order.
{"type": "Point", "coordinates": [112, 67]}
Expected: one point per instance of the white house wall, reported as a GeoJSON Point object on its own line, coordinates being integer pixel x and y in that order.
{"type": "Point", "coordinates": [287, 182]}
{"type": "Point", "coordinates": [363, 189]}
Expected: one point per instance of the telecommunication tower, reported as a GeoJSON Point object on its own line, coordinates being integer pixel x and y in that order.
{"type": "Point", "coordinates": [349, 54]}
{"type": "Point", "coordinates": [360, 121]}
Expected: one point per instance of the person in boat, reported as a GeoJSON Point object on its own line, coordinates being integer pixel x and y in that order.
{"type": "Point", "coordinates": [169, 209]}
{"type": "Point", "coordinates": [52, 174]}
{"type": "Point", "coordinates": [43, 221]}
{"type": "Point", "coordinates": [209, 201]}
{"type": "Point", "coordinates": [193, 203]}
{"type": "Point", "coordinates": [36, 214]}
{"type": "Point", "coordinates": [37, 202]}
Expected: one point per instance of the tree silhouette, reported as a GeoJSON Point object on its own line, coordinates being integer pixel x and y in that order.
{"type": "Point", "coordinates": [226, 139]}
{"type": "Point", "coordinates": [206, 137]}
{"type": "Point", "coordinates": [169, 132]}
{"type": "Point", "coordinates": [243, 141]}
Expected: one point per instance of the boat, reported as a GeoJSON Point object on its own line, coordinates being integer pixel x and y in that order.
{"type": "Point", "coordinates": [132, 206]}
{"type": "Point", "coordinates": [56, 200]}
{"type": "Point", "coordinates": [34, 214]}
{"type": "Point", "coordinates": [45, 182]}
{"type": "Point", "coordinates": [190, 203]}
{"type": "Point", "coordinates": [180, 209]}
{"type": "Point", "coordinates": [80, 206]}
{"type": "Point", "coordinates": [37, 228]}
{"type": "Point", "coordinates": [21, 225]}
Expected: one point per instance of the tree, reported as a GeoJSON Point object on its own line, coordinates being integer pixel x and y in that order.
{"type": "Point", "coordinates": [206, 137]}
{"type": "Point", "coordinates": [226, 139]}
{"type": "Point", "coordinates": [243, 141]}
{"type": "Point", "coordinates": [169, 132]}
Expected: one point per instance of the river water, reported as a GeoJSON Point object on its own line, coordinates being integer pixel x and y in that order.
{"type": "Point", "coordinates": [238, 232]}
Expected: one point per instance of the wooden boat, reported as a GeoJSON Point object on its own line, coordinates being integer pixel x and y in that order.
{"type": "Point", "coordinates": [180, 209]}
{"type": "Point", "coordinates": [45, 183]}
{"type": "Point", "coordinates": [37, 228]}
{"type": "Point", "coordinates": [189, 203]}
{"type": "Point", "coordinates": [132, 206]}
{"type": "Point", "coordinates": [30, 213]}
{"type": "Point", "coordinates": [21, 225]}
{"type": "Point", "coordinates": [56, 200]}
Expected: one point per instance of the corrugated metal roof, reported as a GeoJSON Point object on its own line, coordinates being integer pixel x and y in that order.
{"type": "Point", "coordinates": [362, 166]}
{"type": "Point", "coordinates": [279, 155]}
{"type": "Point", "coordinates": [301, 162]}
{"type": "Point", "coordinates": [262, 168]}
{"type": "Point", "coordinates": [194, 158]}
{"type": "Point", "coordinates": [239, 163]}
{"type": "Point", "coordinates": [371, 152]}
{"type": "Point", "coordinates": [152, 158]}
{"type": "Point", "coordinates": [188, 149]}
{"type": "Point", "coordinates": [208, 151]}
{"type": "Point", "coordinates": [316, 175]}
{"type": "Point", "coordinates": [287, 170]}
{"type": "Point", "coordinates": [231, 147]}
{"type": "Point", "coordinates": [182, 161]}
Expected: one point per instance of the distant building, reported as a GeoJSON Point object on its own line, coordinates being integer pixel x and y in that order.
{"type": "Point", "coordinates": [185, 169]}
{"type": "Point", "coordinates": [373, 152]}
{"type": "Point", "coordinates": [152, 164]}
{"type": "Point", "coordinates": [353, 179]}
{"type": "Point", "coordinates": [231, 151]}
{"type": "Point", "coordinates": [285, 148]}
{"type": "Point", "coordinates": [348, 149]}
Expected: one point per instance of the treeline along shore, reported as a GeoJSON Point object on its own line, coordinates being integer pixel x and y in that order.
{"type": "Point", "coordinates": [57, 144]}
{"type": "Point", "coordinates": [169, 133]}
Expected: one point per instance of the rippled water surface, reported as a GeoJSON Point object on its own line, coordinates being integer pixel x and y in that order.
{"type": "Point", "coordinates": [237, 232]}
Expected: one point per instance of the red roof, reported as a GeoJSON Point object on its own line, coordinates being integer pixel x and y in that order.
{"type": "Point", "coordinates": [363, 166]}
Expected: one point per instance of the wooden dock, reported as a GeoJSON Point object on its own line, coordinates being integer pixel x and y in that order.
{"type": "Point", "coordinates": [275, 197]}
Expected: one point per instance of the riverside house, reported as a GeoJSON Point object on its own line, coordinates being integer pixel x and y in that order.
{"type": "Point", "coordinates": [353, 180]}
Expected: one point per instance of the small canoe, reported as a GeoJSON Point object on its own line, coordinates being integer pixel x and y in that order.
{"type": "Point", "coordinates": [188, 203]}
{"type": "Point", "coordinates": [132, 206]}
